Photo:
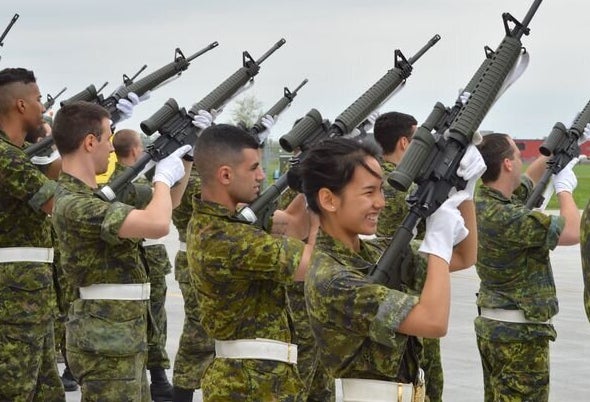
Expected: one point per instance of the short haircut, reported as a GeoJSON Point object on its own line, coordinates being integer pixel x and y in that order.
{"type": "Point", "coordinates": [218, 145]}
{"type": "Point", "coordinates": [124, 141]}
{"type": "Point", "coordinates": [494, 148]}
{"type": "Point", "coordinates": [8, 92]}
{"type": "Point", "coordinates": [331, 164]}
{"type": "Point", "coordinates": [74, 121]}
{"type": "Point", "coordinates": [390, 127]}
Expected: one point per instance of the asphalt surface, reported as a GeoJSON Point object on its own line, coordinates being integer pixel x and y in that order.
{"type": "Point", "coordinates": [462, 368]}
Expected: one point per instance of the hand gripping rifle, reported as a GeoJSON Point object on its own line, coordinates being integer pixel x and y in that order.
{"type": "Point", "coordinates": [175, 124]}
{"type": "Point", "coordinates": [431, 160]}
{"type": "Point", "coordinates": [562, 146]}
{"type": "Point", "coordinates": [8, 28]}
{"type": "Point", "coordinates": [312, 128]}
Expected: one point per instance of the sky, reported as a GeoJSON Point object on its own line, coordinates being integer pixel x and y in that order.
{"type": "Point", "coordinates": [342, 47]}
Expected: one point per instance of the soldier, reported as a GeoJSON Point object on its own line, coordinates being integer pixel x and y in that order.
{"type": "Point", "coordinates": [196, 349]}
{"type": "Point", "coordinates": [27, 351]}
{"type": "Point", "coordinates": [363, 329]}
{"type": "Point", "coordinates": [128, 148]}
{"type": "Point", "coordinates": [240, 273]}
{"type": "Point", "coordinates": [393, 132]}
{"type": "Point", "coordinates": [106, 331]}
{"type": "Point", "coordinates": [517, 298]}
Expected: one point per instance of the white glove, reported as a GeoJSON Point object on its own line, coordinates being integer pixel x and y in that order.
{"type": "Point", "coordinates": [464, 96]}
{"type": "Point", "coordinates": [566, 179]}
{"type": "Point", "coordinates": [445, 228]}
{"type": "Point", "coordinates": [371, 119]}
{"type": "Point", "coordinates": [471, 167]}
{"type": "Point", "coordinates": [204, 119]}
{"type": "Point", "coordinates": [170, 169]}
{"type": "Point", "coordinates": [585, 135]}
{"type": "Point", "coordinates": [267, 121]}
{"type": "Point", "coordinates": [126, 105]}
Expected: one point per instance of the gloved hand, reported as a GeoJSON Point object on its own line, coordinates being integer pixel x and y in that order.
{"type": "Point", "coordinates": [204, 119]}
{"type": "Point", "coordinates": [170, 169]}
{"type": "Point", "coordinates": [126, 105]}
{"type": "Point", "coordinates": [464, 96]}
{"type": "Point", "coordinates": [471, 167]}
{"type": "Point", "coordinates": [267, 121]}
{"type": "Point", "coordinates": [566, 179]}
{"type": "Point", "coordinates": [585, 135]}
{"type": "Point", "coordinates": [371, 119]}
{"type": "Point", "coordinates": [445, 228]}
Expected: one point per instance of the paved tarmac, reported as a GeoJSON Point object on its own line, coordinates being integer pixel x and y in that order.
{"type": "Point", "coordinates": [462, 368]}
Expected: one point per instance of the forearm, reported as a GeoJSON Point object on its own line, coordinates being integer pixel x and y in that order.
{"type": "Point", "coordinates": [178, 190]}
{"type": "Point", "coordinates": [536, 169]}
{"type": "Point", "coordinates": [152, 222]}
{"type": "Point", "coordinates": [568, 209]}
{"type": "Point", "coordinates": [465, 253]}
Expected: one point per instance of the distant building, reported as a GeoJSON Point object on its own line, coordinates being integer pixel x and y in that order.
{"type": "Point", "coordinates": [529, 149]}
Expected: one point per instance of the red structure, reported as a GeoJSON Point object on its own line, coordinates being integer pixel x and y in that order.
{"type": "Point", "coordinates": [529, 149]}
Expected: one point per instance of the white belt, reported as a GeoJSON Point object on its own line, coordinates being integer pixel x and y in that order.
{"type": "Point", "coordinates": [152, 242]}
{"type": "Point", "coordinates": [361, 390]}
{"type": "Point", "coordinates": [259, 348]}
{"type": "Point", "coordinates": [500, 314]}
{"type": "Point", "coordinates": [116, 291]}
{"type": "Point", "coordinates": [26, 254]}
{"type": "Point", "coordinates": [182, 246]}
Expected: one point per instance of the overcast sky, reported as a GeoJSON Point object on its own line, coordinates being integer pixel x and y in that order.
{"type": "Point", "coordinates": [342, 47]}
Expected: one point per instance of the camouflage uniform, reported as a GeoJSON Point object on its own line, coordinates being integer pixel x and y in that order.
{"type": "Point", "coordinates": [196, 349]}
{"type": "Point", "coordinates": [28, 369]}
{"type": "Point", "coordinates": [106, 340]}
{"type": "Point", "coordinates": [241, 274]}
{"type": "Point", "coordinates": [390, 218]}
{"type": "Point", "coordinates": [585, 254]}
{"type": "Point", "coordinates": [515, 272]}
{"type": "Point", "coordinates": [354, 320]}
{"type": "Point", "coordinates": [158, 265]}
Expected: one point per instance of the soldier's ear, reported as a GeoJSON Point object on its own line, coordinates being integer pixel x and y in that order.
{"type": "Point", "coordinates": [89, 142]}
{"type": "Point", "coordinates": [224, 174]}
{"type": "Point", "coordinates": [327, 200]}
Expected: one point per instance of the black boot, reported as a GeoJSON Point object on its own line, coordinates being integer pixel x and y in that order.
{"type": "Point", "coordinates": [182, 395]}
{"type": "Point", "coordinates": [160, 387]}
{"type": "Point", "coordinates": [68, 380]}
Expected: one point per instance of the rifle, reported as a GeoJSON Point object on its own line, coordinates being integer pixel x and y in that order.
{"type": "Point", "coordinates": [276, 109]}
{"type": "Point", "coordinates": [147, 83]}
{"type": "Point", "coordinates": [312, 128]}
{"type": "Point", "coordinates": [175, 124]}
{"type": "Point", "coordinates": [51, 99]}
{"type": "Point", "coordinates": [431, 160]}
{"type": "Point", "coordinates": [8, 28]}
{"type": "Point", "coordinates": [562, 146]}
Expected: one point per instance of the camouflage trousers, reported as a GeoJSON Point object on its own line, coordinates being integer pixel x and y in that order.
{"type": "Point", "coordinates": [431, 363]}
{"type": "Point", "coordinates": [157, 355]}
{"type": "Point", "coordinates": [196, 350]}
{"type": "Point", "coordinates": [515, 371]}
{"type": "Point", "coordinates": [106, 349]}
{"type": "Point", "coordinates": [319, 385]}
{"type": "Point", "coordinates": [251, 381]}
{"type": "Point", "coordinates": [27, 364]}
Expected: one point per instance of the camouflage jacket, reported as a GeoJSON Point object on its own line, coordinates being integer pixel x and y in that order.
{"type": "Point", "coordinates": [585, 254]}
{"type": "Point", "coordinates": [182, 214]}
{"type": "Point", "coordinates": [513, 263]}
{"type": "Point", "coordinates": [396, 207]}
{"type": "Point", "coordinates": [353, 320]}
{"type": "Point", "coordinates": [241, 274]}
{"type": "Point", "coordinates": [137, 195]}
{"type": "Point", "coordinates": [87, 229]}
{"type": "Point", "coordinates": [26, 288]}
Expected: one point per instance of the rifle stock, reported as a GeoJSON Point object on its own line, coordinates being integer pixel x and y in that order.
{"type": "Point", "coordinates": [431, 160]}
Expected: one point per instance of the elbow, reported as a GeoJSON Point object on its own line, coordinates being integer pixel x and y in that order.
{"type": "Point", "coordinates": [439, 330]}
{"type": "Point", "coordinates": [160, 229]}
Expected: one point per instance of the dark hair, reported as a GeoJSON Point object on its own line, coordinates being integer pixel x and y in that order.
{"type": "Point", "coordinates": [331, 164]}
{"type": "Point", "coordinates": [494, 148]}
{"type": "Point", "coordinates": [74, 121]}
{"type": "Point", "coordinates": [11, 76]}
{"type": "Point", "coordinates": [221, 144]}
{"type": "Point", "coordinates": [390, 127]}
{"type": "Point", "coordinates": [124, 141]}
